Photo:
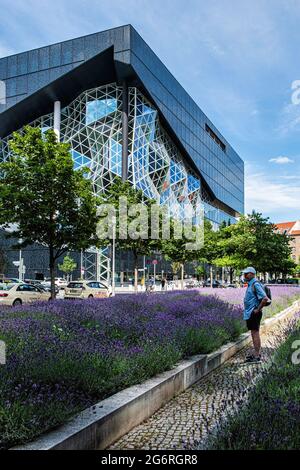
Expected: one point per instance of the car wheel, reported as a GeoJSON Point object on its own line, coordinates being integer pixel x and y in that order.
{"type": "Point", "coordinates": [17, 302]}
{"type": "Point", "coordinates": [90, 296]}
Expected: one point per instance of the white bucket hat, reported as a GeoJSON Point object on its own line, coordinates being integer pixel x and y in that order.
{"type": "Point", "coordinates": [249, 270]}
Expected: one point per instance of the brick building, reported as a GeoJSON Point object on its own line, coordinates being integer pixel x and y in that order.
{"type": "Point", "coordinates": [292, 229]}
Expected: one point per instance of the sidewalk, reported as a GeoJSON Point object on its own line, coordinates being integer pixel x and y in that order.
{"type": "Point", "coordinates": [184, 422]}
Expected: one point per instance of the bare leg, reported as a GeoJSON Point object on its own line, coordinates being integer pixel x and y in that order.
{"type": "Point", "coordinates": [256, 342]}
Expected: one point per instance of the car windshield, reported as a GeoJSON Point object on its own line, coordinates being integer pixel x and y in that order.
{"type": "Point", "coordinates": [6, 286]}
{"type": "Point", "coordinates": [75, 285]}
{"type": "Point", "coordinates": [96, 285]}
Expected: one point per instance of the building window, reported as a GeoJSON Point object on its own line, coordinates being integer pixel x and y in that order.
{"type": "Point", "coordinates": [215, 138]}
{"type": "Point", "coordinates": [115, 161]}
{"type": "Point", "coordinates": [80, 160]}
{"type": "Point", "coordinates": [97, 109]}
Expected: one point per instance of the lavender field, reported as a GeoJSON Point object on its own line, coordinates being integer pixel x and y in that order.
{"type": "Point", "coordinates": [63, 356]}
{"type": "Point", "coordinates": [282, 297]}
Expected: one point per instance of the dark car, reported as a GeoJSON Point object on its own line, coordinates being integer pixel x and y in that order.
{"type": "Point", "coordinates": [215, 284]}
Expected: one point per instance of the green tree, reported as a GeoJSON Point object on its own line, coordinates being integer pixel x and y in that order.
{"type": "Point", "coordinates": [48, 201]}
{"type": "Point", "coordinates": [68, 265]}
{"type": "Point", "coordinates": [175, 266]}
{"type": "Point", "coordinates": [200, 271]}
{"type": "Point", "coordinates": [253, 240]}
{"type": "Point", "coordinates": [175, 250]}
{"type": "Point", "coordinates": [210, 249]}
{"type": "Point", "coordinates": [232, 245]}
{"type": "Point", "coordinates": [296, 270]}
{"type": "Point", "coordinates": [142, 244]}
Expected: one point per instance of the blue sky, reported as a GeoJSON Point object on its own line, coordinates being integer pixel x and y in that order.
{"type": "Point", "coordinates": [238, 60]}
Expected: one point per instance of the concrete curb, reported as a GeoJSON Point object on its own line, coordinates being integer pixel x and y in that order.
{"type": "Point", "coordinates": [101, 425]}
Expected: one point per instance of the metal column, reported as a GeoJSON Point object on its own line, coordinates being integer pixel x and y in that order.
{"type": "Point", "coordinates": [125, 132]}
{"type": "Point", "coordinates": [56, 119]}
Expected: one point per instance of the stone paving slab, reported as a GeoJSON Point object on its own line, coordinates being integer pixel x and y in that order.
{"type": "Point", "coordinates": [188, 418]}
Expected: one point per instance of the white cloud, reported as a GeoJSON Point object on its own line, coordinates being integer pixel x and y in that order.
{"type": "Point", "coordinates": [289, 119]}
{"type": "Point", "coordinates": [290, 177]}
{"type": "Point", "coordinates": [267, 194]}
{"type": "Point", "coordinates": [281, 160]}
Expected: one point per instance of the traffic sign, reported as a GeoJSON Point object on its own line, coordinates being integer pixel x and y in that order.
{"type": "Point", "coordinates": [155, 261]}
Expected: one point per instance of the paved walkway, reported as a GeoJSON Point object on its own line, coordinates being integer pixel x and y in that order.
{"type": "Point", "coordinates": [185, 421]}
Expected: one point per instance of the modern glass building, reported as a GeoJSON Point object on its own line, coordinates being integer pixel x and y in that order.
{"type": "Point", "coordinates": [124, 113]}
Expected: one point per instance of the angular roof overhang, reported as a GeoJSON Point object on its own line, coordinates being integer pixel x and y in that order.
{"type": "Point", "coordinates": [96, 71]}
{"type": "Point", "coordinates": [101, 69]}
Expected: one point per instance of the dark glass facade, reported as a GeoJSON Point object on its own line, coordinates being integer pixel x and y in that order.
{"type": "Point", "coordinates": [218, 165]}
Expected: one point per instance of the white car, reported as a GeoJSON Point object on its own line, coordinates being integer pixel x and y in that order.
{"type": "Point", "coordinates": [47, 285]}
{"type": "Point", "coordinates": [87, 290]}
{"type": "Point", "coordinates": [60, 282]}
{"type": "Point", "coordinates": [21, 293]}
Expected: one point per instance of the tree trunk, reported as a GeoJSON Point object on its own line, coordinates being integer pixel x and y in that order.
{"type": "Point", "coordinates": [231, 275]}
{"type": "Point", "coordinates": [182, 275]}
{"type": "Point", "coordinates": [52, 271]}
{"type": "Point", "coordinates": [211, 276]}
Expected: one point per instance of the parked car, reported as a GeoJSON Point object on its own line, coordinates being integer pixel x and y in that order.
{"type": "Point", "coordinates": [61, 283]}
{"type": "Point", "coordinates": [215, 284]}
{"type": "Point", "coordinates": [87, 290]}
{"type": "Point", "coordinates": [232, 286]}
{"type": "Point", "coordinates": [19, 293]}
{"type": "Point", "coordinates": [171, 284]}
{"type": "Point", "coordinates": [222, 284]}
{"type": "Point", "coordinates": [47, 286]}
{"type": "Point", "coordinates": [36, 283]}
{"type": "Point", "coordinates": [10, 280]}
{"type": "Point", "coordinates": [293, 281]}
{"type": "Point", "coordinates": [289, 281]}
{"type": "Point", "coordinates": [192, 284]}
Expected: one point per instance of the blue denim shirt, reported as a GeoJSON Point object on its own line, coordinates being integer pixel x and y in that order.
{"type": "Point", "coordinates": [252, 301]}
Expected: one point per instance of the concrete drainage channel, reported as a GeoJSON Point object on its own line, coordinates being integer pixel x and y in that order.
{"type": "Point", "coordinates": [101, 425]}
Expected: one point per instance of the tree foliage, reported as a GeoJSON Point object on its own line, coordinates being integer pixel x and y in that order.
{"type": "Point", "coordinates": [68, 265]}
{"type": "Point", "coordinates": [142, 244]}
{"type": "Point", "coordinates": [45, 198]}
{"type": "Point", "coordinates": [254, 241]}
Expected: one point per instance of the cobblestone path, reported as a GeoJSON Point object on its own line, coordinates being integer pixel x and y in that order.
{"type": "Point", "coordinates": [188, 417]}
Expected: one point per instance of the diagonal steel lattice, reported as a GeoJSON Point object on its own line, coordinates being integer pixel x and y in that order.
{"type": "Point", "coordinates": [92, 125]}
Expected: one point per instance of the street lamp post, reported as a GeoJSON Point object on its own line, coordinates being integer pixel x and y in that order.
{"type": "Point", "coordinates": [20, 263]}
{"type": "Point", "coordinates": [81, 265]}
{"type": "Point", "coordinates": [113, 284]}
{"type": "Point", "coordinates": [144, 270]}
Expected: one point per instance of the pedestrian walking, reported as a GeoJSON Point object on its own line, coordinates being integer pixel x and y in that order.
{"type": "Point", "coordinates": [150, 285]}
